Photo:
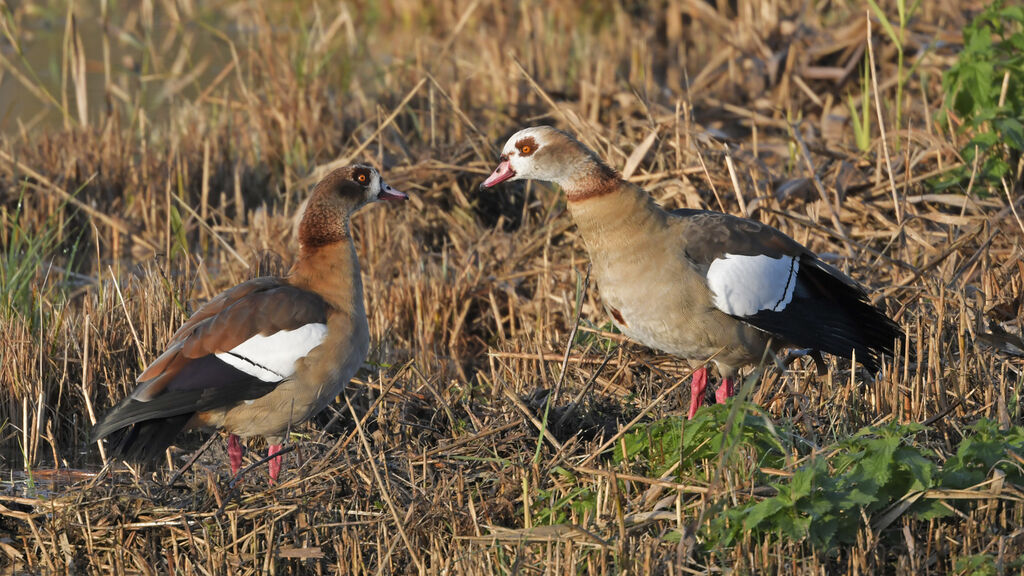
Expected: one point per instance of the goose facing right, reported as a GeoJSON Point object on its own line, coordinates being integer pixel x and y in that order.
{"type": "Point", "coordinates": [269, 353]}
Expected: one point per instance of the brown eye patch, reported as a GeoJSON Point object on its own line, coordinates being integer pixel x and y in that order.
{"type": "Point", "coordinates": [361, 175]}
{"type": "Point", "coordinates": [526, 146]}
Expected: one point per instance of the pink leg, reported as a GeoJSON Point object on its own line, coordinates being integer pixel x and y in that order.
{"type": "Point", "coordinates": [725, 391]}
{"type": "Point", "coordinates": [697, 385]}
{"type": "Point", "coordinates": [274, 464]}
{"type": "Point", "coordinates": [234, 453]}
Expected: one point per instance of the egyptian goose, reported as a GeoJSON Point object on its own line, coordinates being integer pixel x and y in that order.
{"type": "Point", "coordinates": [269, 353]}
{"type": "Point", "coordinates": [696, 283]}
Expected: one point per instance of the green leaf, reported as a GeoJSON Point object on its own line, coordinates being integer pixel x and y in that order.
{"type": "Point", "coordinates": [180, 245]}
{"type": "Point", "coordinates": [978, 82]}
{"type": "Point", "coordinates": [796, 527]}
{"type": "Point", "coordinates": [763, 510]}
{"type": "Point", "coordinates": [815, 507]}
{"type": "Point", "coordinates": [1012, 131]}
{"type": "Point", "coordinates": [977, 565]}
{"type": "Point", "coordinates": [984, 141]}
{"type": "Point", "coordinates": [1015, 12]}
{"type": "Point", "coordinates": [857, 496]}
{"type": "Point", "coordinates": [824, 532]}
{"type": "Point", "coordinates": [803, 480]}
{"type": "Point", "coordinates": [931, 509]}
{"type": "Point", "coordinates": [885, 22]}
{"type": "Point", "coordinates": [877, 464]}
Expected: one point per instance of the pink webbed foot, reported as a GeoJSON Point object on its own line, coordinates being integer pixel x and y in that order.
{"type": "Point", "coordinates": [234, 453]}
{"type": "Point", "coordinates": [275, 463]}
{"type": "Point", "coordinates": [697, 386]}
{"type": "Point", "coordinates": [725, 391]}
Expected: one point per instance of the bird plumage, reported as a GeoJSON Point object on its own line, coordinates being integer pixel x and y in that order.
{"type": "Point", "coordinates": [269, 353]}
{"type": "Point", "coordinates": [698, 283]}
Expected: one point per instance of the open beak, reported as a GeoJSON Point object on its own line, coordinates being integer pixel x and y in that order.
{"type": "Point", "coordinates": [389, 193]}
{"type": "Point", "coordinates": [503, 172]}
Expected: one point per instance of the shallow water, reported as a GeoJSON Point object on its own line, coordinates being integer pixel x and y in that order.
{"type": "Point", "coordinates": [148, 60]}
{"type": "Point", "coordinates": [42, 483]}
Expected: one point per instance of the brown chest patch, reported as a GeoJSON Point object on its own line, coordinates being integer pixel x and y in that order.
{"type": "Point", "coordinates": [618, 316]}
{"type": "Point", "coordinates": [593, 187]}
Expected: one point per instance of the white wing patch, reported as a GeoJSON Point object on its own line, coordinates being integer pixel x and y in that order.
{"type": "Point", "coordinates": [746, 285]}
{"type": "Point", "coordinates": [272, 358]}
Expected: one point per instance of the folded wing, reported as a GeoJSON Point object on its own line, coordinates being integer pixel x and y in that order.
{"type": "Point", "coordinates": [764, 278]}
{"type": "Point", "coordinates": [239, 346]}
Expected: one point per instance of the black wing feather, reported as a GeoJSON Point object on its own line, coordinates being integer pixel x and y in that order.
{"type": "Point", "coordinates": [829, 311]}
{"type": "Point", "coordinates": [205, 383]}
{"type": "Point", "coordinates": [146, 441]}
{"type": "Point", "coordinates": [831, 314]}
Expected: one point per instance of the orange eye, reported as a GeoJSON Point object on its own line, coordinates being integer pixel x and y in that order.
{"type": "Point", "coordinates": [361, 178]}
{"type": "Point", "coordinates": [525, 149]}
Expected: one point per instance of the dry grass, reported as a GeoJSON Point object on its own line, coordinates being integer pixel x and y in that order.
{"type": "Point", "coordinates": [167, 154]}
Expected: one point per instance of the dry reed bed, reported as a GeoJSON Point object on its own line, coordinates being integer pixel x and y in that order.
{"type": "Point", "coordinates": [184, 184]}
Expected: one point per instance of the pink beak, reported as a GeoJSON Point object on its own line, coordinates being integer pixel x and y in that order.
{"type": "Point", "coordinates": [503, 172]}
{"type": "Point", "coordinates": [389, 193]}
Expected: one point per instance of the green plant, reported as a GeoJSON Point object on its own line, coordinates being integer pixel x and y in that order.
{"type": "Point", "coordinates": [25, 256]}
{"type": "Point", "coordinates": [554, 505]}
{"type": "Point", "coordinates": [661, 444]}
{"type": "Point", "coordinates": [862, 123]}
{"type": "Point", "coordinates": [826, 501]}
{"type": "Point", "coordinates": [986, 565]}
{"type": "Point", "coordinates": [595, 341]}
{"type": "Point", "coordinates": [984, 449]}
{"type": "Point", "coordinates": [985, 90]}
{"type": "Point", "coordinates": [905, 14]}
{"type": "Point", "coordinates": [977, 565]}
{"type": "Point", "coordinates": [866, 474]}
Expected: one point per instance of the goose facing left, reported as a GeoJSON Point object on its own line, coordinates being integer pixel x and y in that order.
{"type": "Point", "coordinates": [696, 283]}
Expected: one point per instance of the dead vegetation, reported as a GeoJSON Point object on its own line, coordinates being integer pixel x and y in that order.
{"type": "Point", "coordinates": [166, 157]}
